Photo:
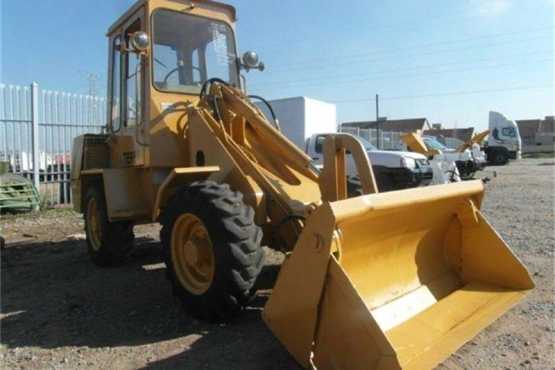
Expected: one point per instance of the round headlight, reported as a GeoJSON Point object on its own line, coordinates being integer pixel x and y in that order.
{"type": "Point", "coordinates": [139, 41]}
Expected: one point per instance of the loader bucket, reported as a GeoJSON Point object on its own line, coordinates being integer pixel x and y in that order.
{"type": "Point", "coordinates": [394, 280]}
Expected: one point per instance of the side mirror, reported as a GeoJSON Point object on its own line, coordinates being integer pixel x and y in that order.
{"type": "Point", "coordinates": [139, 41]}
{"type": "Point", "coordinates": [250, 60]}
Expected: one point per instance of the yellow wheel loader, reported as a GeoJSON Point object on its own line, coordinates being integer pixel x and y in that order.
{"type": "Point", "coordinates": [379, 281]}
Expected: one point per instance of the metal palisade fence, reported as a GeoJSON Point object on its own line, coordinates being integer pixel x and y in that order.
{"type": "Point", "coordinates": [37, 128]}
{"type": "Point", "coordinates": [384, 140]}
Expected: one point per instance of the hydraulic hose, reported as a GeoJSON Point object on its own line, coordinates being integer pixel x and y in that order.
{"type": "Point", "coordinates": [267, 104]}
{"type": "Point", "coordinates": [204, 90]}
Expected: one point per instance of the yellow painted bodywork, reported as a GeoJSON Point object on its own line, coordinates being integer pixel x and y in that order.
{"type": "Point", "coordinates": [414, 142]}
{"type": "Point", "coordinates": [384, 280]}
{"type": "Point", "coordinates": [476, 139]}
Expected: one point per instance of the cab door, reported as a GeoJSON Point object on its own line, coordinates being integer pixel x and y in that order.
{"type": "Point", "coordinates": [129, 146]}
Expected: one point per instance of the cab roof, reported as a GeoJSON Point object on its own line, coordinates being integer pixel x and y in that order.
{"type": "Point", "coordinates": [140, 3]}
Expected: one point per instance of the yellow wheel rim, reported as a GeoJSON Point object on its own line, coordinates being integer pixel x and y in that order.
{"type": "Point", "coordinates": [94, 224]}
{"type": "Point", "coordinates": [192, 254]}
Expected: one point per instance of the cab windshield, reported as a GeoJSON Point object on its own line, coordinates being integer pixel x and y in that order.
{"type": "Point", "coordinates": [432, 143]}
{"type": "Point", "coordinates": [188, 50]}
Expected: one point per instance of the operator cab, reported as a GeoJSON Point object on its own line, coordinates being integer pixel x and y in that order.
{"type": "Point", "coordinates": [161, 54]}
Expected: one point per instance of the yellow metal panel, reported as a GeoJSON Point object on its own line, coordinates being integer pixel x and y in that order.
{"type": "Point", "coordinates": [420, 272]}
{"type": "Point", "coordinates": [77, 157]}
{"type": "Point", "coordinates": [76, 164]}
{"type": "Point", "coordinates": [292, 309]}
{"type": "Point", "coordinates": [434, 334]}
{"type": "Point", "coordinates": [125, 195]}
{"type": "Point", "coordinates": [414, 142]}
{"type": "Point", "coordinates": [348, 337]}
{"type": "Point", "coordinates": [476, 139]}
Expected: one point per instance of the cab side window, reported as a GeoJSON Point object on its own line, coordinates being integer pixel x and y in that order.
{"type": "Point", "coordinates": [115, 89]}
{"type": "Point", "coordinates": [133, 79]}
{"type": "Point", "coordinates": [508, 131]}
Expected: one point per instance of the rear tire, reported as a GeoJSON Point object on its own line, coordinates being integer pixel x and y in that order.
{"type": "Point", "coordinates": [212, 285]}
{"type": "Point", "coordinates": [108, 243]}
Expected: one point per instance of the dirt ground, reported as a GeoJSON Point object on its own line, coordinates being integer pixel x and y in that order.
{"type": "Point", "coordinates": [61, 312]}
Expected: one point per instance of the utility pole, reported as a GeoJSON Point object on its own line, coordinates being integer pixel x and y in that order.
{"type": "Point", "coordinates": [92, 78]}
{"type": "Point", "coordinates": [378, 122]}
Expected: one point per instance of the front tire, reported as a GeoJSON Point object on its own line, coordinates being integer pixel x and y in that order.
{"type": "Point", "coordinates": [212, 250]}
{"type": "Point", "coordinates": [501, 158]}
{"type": "Point", "coordinates": [108, 243]}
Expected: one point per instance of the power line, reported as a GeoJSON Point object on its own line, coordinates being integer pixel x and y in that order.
{"type": "Point", "coordinates": [404, 52]}
{"type": "Point", "coordinates": [391, 25]}
{"type": "Point", "coordinates": [405, 25]}
{"type": "Point", "coordinates": [309, 63]}
{"type": "Point", "coordinates": [395, 70]}
{"type": "Point", "coordinates": [453, 93]}
{"type": "Point", "coordinates": [398, 74]}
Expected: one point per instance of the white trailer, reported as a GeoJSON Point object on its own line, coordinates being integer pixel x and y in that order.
{"type": "Point", "coordinates": [301, 117]}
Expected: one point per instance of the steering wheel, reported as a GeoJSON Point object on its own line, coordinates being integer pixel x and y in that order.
{"type": "Point", "coordinates": [168, 75]}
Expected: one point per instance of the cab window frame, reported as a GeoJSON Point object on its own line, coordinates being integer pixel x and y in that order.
{"type": "Point", "coordinates": [127, 75]}
{"type": "Point", "coordinates": [113, 79]}
{"type": "Point", "coordinates": [152, 56]}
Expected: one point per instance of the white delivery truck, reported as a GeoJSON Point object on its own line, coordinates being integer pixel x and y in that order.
{"type": "Point", "coordinates": [306, 122]}
{"type": "Point", "coordinates": [504, 141]}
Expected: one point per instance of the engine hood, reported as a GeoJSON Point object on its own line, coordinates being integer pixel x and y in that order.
{"type": "Point", "coordinates": [396, 154]}
{"type": "Point", "coordinates": [393, 159]}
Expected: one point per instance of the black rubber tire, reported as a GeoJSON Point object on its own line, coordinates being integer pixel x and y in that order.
{"type": "Point", "coordinates": [386, 183]}
{"type": "Point", "coordinates": [354, 187]}
{"type": "Point", "coordinates": [236, 241]}
{"type": "Point", "coordinates": [468, 175]}
{"type": "Point", "coordinates": [501, 158]}
{"type": "Point", "coordinates": [117, 237]}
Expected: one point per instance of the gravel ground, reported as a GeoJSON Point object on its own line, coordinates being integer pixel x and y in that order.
{"type": "Point", "coordinates": [60, 312]}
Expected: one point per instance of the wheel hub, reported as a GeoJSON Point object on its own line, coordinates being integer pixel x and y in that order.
{"type": "Point", "coordinates": [192, 254]}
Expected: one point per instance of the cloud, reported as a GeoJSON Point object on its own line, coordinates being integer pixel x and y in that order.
{"type": "Point", "coordinates": [487, 8]}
